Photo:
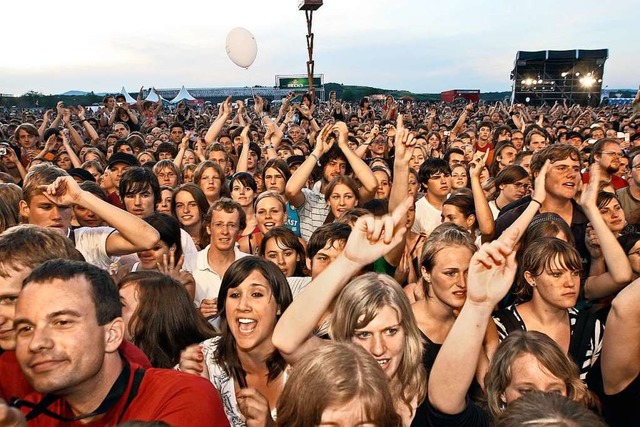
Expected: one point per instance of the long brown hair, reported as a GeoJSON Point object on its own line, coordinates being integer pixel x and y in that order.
{"type": "Point", "coordinates": [166, 320]}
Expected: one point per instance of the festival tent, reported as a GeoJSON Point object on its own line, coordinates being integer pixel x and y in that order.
{"type": "Point", "coordinates": [154, 98]}
{"type": "Point", "coordinates": [183, 95]}
{"type": "Point", "coordinates": [127, 97]}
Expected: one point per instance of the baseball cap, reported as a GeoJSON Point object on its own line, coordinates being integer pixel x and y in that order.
{"type": "Point", "coordinates": [84, 175]}
{"type": "Point", "coordinates": [122, 158]}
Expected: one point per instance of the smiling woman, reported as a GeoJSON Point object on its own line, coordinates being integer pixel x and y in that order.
{"type": "Point", "coordinates": [242, 363]}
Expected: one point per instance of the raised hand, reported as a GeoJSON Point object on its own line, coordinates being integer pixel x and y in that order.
{"type": "Point", "coordinates": [184, 144]}
{"type": "Point", "coordinates": [477, 164]}
{"type": "Point", "coordinates": [226, 106]}
{"type": "Point", "coordinates": [539, 191]}
{"type": "Point", "coordinates": [245, 136]}
{"type": "Point", "coordinates": [343, 133]}
{"type": "Point", "coordinates": [323, 142]}
{"type": "Point", "coordinates": [403, 141]}
{"type": "Point", "coordinates": [492, 270]}
{"type": "Point", "coordinates": [373, 237]}
{"type": "Point", "coordinates": [80, 112]}
{"type": "Point", "coordinates": [64, 191]}
{"type": "Point", "coordinates": [589, 196]}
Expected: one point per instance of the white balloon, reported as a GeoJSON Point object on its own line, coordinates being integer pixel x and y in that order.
{"type": "Point", "coordinates": [241, 47]}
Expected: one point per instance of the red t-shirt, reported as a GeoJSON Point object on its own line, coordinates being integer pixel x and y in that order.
{"type": "Point", "coordinates": [13, 383]}
{"type": "Point", "coordinates": [616, 181]}
{"type": "Point", "coordinates": [177, 398]}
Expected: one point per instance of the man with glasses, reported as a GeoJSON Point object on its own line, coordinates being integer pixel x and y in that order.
{"type": "Point", "coordinates": [224, 221]}
{"type": "Point", "coordinates": [629, 197]}
{"type": "Point", "coordinates": [607, 153]}
{"type": "Point", "coordinates": [435, 178]}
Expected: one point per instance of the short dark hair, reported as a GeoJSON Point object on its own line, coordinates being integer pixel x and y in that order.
{"type": "Point", "coordinates": [104, 291]}
{"type": "Point", "coordinates": [176, 125]}
{"type": "Point", "coordinates": [166, 147]}
{"type": "Point", "coordinates": [137, 179]}
{"type": "Point", "coordinates": [327, 234]}
{"type": "Point", "coordinates": [169, 230]}
{"type": "Point", "coordinates": [432, 166]}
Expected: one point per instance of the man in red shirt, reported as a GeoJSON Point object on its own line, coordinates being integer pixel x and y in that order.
{"type": "Point", "coordinates": [607, 153]}
{"type": "Point", "coordinates": [68, 332]}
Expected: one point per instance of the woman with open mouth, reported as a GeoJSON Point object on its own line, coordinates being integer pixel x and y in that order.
{"type": "Point", "coordinates": [242, 363]}
{"type": "Point", "coordinates": [370, 311]}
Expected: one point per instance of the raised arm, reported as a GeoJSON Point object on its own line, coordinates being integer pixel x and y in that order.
{"type": "Point", "coordinates": [484, 216]}
{"type": "Point", "coordinates": [520, 225]}
{"type": "Point", "coordinates": [45, 123]}
{"type": "Point", "coordinates": [370, 239]}
{"type": "Point", "coordinates": [361, 150]}
{"type": "Point", "coordinates": [59, 112]}
{"type": "Point", "coordinates": [218, 123]}
{"type": "Point", "coordinates": [491, 273]}
{"type": "Point", "coordinates": [296, 183]}
{"type": "Point", "coordinates": [621, 344]}
{"type": "Point", "coordinates": [132, 234]}
{"type": "Point", "coordinates": [91, 132]}
{"type": "Point", "coordinates": [184, 144]}
{"type": "Point", "coordinates": [75, 161]}
{"type": "Point", "coordinates": [619, 272]}
{"type": "Point", "coordinates": [360, 168]}
{"type": "Point", "coordinates": [76, 139]}
{"type": "Point", "coordinates": [243, 158]}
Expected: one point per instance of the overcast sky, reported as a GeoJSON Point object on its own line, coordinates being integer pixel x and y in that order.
{"type": "Point", "coordinates": [418, 45]}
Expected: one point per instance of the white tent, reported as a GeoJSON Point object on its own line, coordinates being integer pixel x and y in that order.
{"type": "Point", "coordinates": [183, 95]}
{"type": "Point", "coordinates": [153, 97]}
{"type": "Point", "coordinates": [127, 97]}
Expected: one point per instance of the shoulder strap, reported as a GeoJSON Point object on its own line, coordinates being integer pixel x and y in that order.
{"type": "Point", "coordinates": [581, 336]}
{"type": "Point", "coordinates": [509, 320]}
{"type": "Point", "coordinates": [137, 380]}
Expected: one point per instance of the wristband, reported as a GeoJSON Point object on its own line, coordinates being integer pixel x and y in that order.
{"type": "Point", "coordinates": [316, 157]}
{"type": "Point", "coordinates": [534, 200]}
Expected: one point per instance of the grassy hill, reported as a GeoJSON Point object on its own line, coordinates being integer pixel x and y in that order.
{"type": "Point", "coordinates": [355, 93]}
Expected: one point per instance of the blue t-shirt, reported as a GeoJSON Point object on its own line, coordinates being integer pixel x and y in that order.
{"type": "Point", "coordinates": [293, 220]}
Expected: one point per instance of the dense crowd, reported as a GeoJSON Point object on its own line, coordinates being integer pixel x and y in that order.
{"type": "Point", "coordinates": [386, 262]}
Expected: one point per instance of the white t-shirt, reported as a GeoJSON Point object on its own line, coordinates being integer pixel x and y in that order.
{"type": "Point", "coordinates": [427, 217]}
{"type": "Point", "coordinates": [207, 280]}
{"type": "Point", "coordinates": [91, 242]}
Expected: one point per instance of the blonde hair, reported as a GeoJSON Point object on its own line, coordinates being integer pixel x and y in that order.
{"type": "Point", "coordinates": [445, 235]}
{"type": "Point", "coordinates": [358, 304]}
{"type": "Point", "coordinates": [336, 374]}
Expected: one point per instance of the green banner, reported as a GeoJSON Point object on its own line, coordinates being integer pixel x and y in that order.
{"type": "Point", "coordinates": [297, 82]}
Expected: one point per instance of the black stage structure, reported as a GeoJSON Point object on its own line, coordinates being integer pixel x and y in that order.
{"type": "Point", "coordinates": [548, 76]}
